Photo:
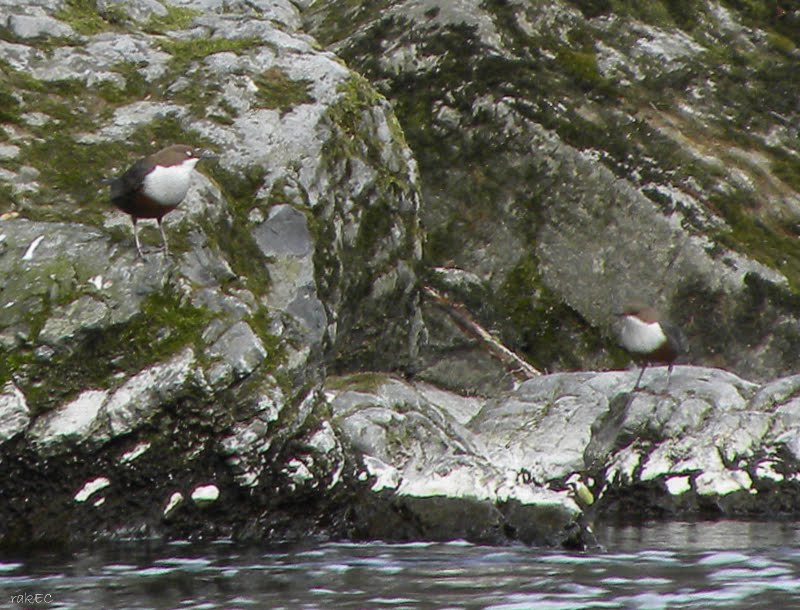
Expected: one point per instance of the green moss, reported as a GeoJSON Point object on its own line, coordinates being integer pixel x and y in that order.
{"type": "Point", "coordinates": [340, 19]}
{"type": "Point", "coordinates": [10, 107]}
{"type": "Point", "coordinates": [766, 240]}
{"type": "Point", "coordinates": [782, 44]}
{"type": "Point", "coordinates": [358, 382]}
{"type": "Point", "coordinates": [787, 168]}
{"type": "Point", "coordinates": [357, 97]}
{"type": "Point", "coordinates": [548, 331]}
{"type": "Point", "coordinates": [236, 240]}
{"type": "Point", "coordinates": [177, 18]}
{"type": "Point", "coordinates": [70, 174]}
{"type": "Point", "coordinates": [277, 91]}
{"type": "Point", "coordinates": [163, 326]}
{"type": "Point", "coordinates": [185, 52]}
{"type": "Point", "coordinates": [86, 19]}
{"type": "Point", "coordinates": [582, 67]}
{"type": "Point", "coordinates": [225, 114]}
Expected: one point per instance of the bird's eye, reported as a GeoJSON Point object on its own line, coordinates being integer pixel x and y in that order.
{"type": "Point", "coordinates": [188, 153]}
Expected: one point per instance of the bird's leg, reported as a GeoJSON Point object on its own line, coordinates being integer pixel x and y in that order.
{"type": "Point", "coordinates": [669, 377]}
{"type": "Point", "coordinates": [136, 237]}
{"type": "Point", "coordinates": [163, 237]}
{"type": "Point", "coordinates": [636, 387]}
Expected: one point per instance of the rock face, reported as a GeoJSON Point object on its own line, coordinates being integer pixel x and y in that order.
{"type": "Point", "coordinates": [293, 253]}
{"type": "Point", "coordinates": [575, 156]}
{"type": "Point", "coordinates": [279, 375]}
{"type": "Point", "coordinates": [713, 444]}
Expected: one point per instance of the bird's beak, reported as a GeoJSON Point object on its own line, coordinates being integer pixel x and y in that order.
{"type": "Point", "coordinates": [208, 154]}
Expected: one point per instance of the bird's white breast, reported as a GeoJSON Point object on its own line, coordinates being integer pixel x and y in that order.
{"type": "Point", "coordinates": [168, 185]}
{"type": "Point", "coordinates": [641, 337]}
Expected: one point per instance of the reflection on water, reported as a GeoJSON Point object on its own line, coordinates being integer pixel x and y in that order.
{"type": "Point", "coordinates": [659, 566]}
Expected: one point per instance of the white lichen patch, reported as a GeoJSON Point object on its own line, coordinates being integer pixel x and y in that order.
{"type": "Point", "coordinates": [678, 485]}
{"type": "Point", "coordinates": [175, 500]}
{"type": "Point", "coordinates": [134, 453]}
{"type": "Point", "coordinates": [766, 470]}
{"type": "Point", "coordinates": [91, 487]}
{"type": "Point", "coordinates": [458, 482]}
{"type": "Point", "coordinates": [386, 476]}
{"type": "Point", "coordinates": [14, 412]}
{"type": "Point", "coordinates": [32, 248]}
{"type": "Point", "coordinates": [71, 423]}
{"type": "Point", "coordinates": [722, 483]}
{"type": "Point", "coordinates": [298, 472]}
{"type": "Point", "coordinates": [205, 494]}
{"type": "Point", "coordinates": [624, 464]}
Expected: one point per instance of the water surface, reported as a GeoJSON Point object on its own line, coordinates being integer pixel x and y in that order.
{"type": "Point", "coordinates": [655, 566]}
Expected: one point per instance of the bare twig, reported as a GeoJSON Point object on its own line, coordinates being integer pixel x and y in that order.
{"type": "Point", "coordinates": [517, 365]}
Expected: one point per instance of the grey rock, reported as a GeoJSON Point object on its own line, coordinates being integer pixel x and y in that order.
{"type": "Point", "coordinates": [159, 366]}
{"type": "Point", "coordinates": [140, 398]}
{"type": "Point", "coordinates": [138, 10]}
{"type": "Point", "coordinates": [238, 352]}
{"type": "Point", "coordinates": [711, 436]}
{"type": "Point", "coordinates": [83, 314]}
{"type": "Point", "coordinates": [246, 446]}
{"type": "Point", "coordinates": [14, 413]}
{"type": "Point", "coordinates": [9, 151]}
{"type": "Point", "coordinates": [285, 232]}
{"type": "Point", "coordinates": [566, 205]}
{"type": "Point", "coordinates": [69, 425]}
{"type": "Point", "coordinates": [34, 26]}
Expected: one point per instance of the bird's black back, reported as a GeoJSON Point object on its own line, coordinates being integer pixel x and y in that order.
{"type": "Point", "coordinates": [129, 183]}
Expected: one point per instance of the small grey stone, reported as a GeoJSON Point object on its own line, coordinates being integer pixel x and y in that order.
{"type": "Point", "coordinates": [8, 151]}
{"type": "Point", "coordinates": [138, 10]}
{"type": "Point", "coordinates": [86, 313]}
{"type": "Point", "coordinates": [285, 232]}
{"type": "Point", "coordinates": [238, 352]}
{"type": "Point", "coordinates": [14, 414]}
{"type": "Point", "coordinates": [34, 26]}
{"type": "Point", "coordinates": [139, 398]}
{"type": "Point", "coordinates": [70, 424]}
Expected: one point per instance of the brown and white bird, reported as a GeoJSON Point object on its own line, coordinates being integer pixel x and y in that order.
{"type": "Point", "coordinates": [155, 185]}
{"type": "Point", "coordinates": [649, 339]}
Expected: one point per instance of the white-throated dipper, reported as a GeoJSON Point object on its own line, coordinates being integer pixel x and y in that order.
{"type": "Point", "coordinates": [649, 339]}
{"type": "Point", "coordinates": [155, 185]}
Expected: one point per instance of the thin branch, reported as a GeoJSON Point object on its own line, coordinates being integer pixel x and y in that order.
{"type": "Point", "coordinates": [517, 365]}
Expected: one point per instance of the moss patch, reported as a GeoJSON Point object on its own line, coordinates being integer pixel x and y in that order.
{"type": "Point", "coordinates": [177, 18]}
{"type": "Point", "coordinates": [548, 331]}
{"type": "Point", "coordinates": [86, 19]}
{"type": "Point", "coordinates": [358, 382]}
{"type": "Point", "coordinates": [185, 52]}
{"type": "Point", "coordinates": [277, 91]}
{"type": "Point", "coordinates": [163, 326]}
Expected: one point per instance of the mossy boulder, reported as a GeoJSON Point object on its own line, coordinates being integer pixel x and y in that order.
{"type": "Point", "coordinates": [129, 384]}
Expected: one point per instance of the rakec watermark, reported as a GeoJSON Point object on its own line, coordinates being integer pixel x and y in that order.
{"type": "Point", "coordinates": [32, 599]}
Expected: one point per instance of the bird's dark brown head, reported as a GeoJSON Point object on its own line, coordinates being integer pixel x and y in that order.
{"type": "Point", "coordinates": [177, 154]}
{"type": "Point", "coordinates": [645, 313]}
